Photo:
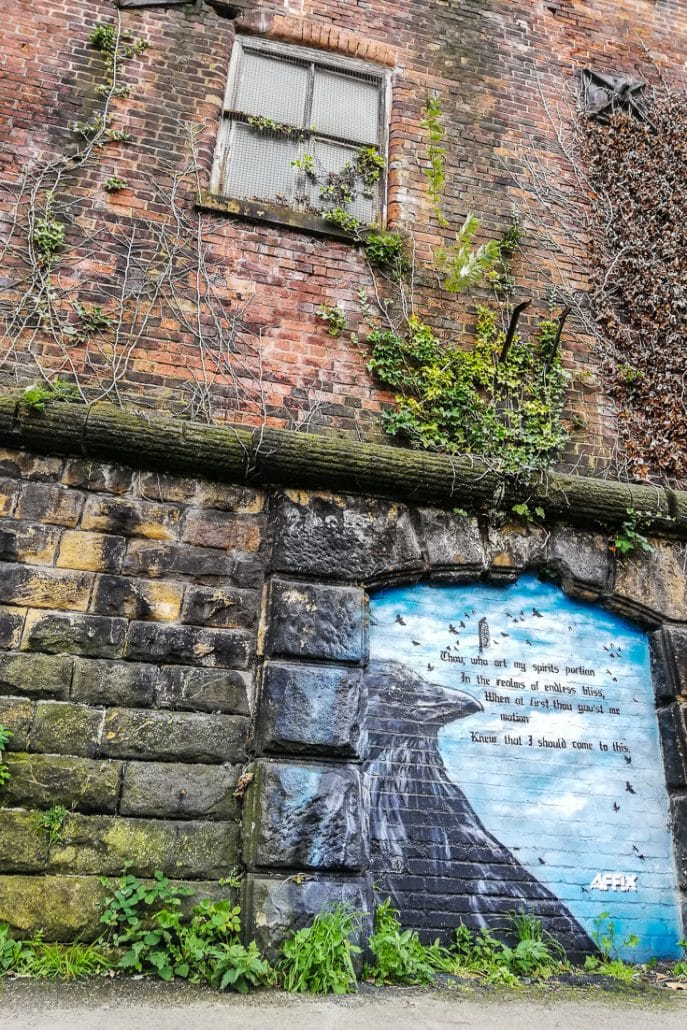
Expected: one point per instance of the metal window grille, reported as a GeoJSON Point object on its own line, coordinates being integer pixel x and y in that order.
{"type": "Point", "coordinates": [285, 102]}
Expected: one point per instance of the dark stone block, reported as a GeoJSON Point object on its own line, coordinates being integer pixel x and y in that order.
{"type": "Point", "coordinates": [66, 729]}
{"type": "Point", "coordinates": [50, 503]}
{"type": "Point", "coordinates": [344, 538]}
{"type": "Point", "coordinates": [103, 845]}
{"type": "Point", "coordinates": [190, 645]}
{"type": "Point", "coordinates": [311, 621]}
{"type": "Point", "coordinates": [35, 675]}
{"type": "Point", "coordinates": [41, 781]}
{"type": "Point", "coordinates": [512, 549]}
{"type": "Point", "coordinates": [93, 475]}
{"type": "Point", "coordinates": [304, 816]}
{"type": "Point", "coordinates": [454, 546]}
{"type": "Point", "coordinates": [223, 609]}
{"type": "Point", "coordinates": [95, 636]}
{"type": "Point", "coordinates": [669, 661]}
{"type": "Point", "coordinates": [168, 791]}
{"type": "Point", "coordinates": [671, 723]}
{"type": "Point", "coordinates": [22, 848]}
{"type": "Point", "coordinates": [16, 713]}
{"type": "Point", "coordinates": [126, 684]}
{"type": "Point", "coordinates": [274, 909]}
{"type": "Point", "coordinates": [28, 542]}
{"type": "Point", "coordinates": [145, 558]}
{"type": "Point", "coordinates": [174, 736]}
{"type": "Point", "coordinates": [581, 560]}
{"type": "Point", "coordinates": [679, 819]}
{"type": "Point", "coordinates": [310, 708]}
{"type": "Point", "coordinates": [11, 625]}
{"type": "Point", "coordinates": [204, 690]}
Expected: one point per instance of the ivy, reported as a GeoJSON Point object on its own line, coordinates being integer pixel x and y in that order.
{"type": "Point", "coordinates": [507, 408]}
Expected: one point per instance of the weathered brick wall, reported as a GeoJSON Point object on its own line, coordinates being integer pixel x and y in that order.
{"type": "Point", "coordinates": [128, 612]}
{"type": "Point", "coordinates": [498, 65]}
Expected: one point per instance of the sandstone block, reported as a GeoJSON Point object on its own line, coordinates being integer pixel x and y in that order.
{"type": "Point", "coordinates": [221, 608]}
{"type": "Point", "coordinates": [95, 552]}
{"type": "Point", "coordinates": [28, 542]}
{"type": "Point", "coordinates": [189, 645]}
{"type": "Point", "coordinates": [652, 587]}
{"type": "Point", "coordinates": [50, 503]}
{"type": "Point", "coordinates": [94, 475]}
{"type": "Point", "coordinates": [454, 546]}
{"type": "Point", "coordinates": [41, 781]}
{"type": "Point", "coordinates": [512, 549]}
{"type": "Point", "coordinates": [64, 908]}
{"type": "Point", "coordinates": [274, 908]}
{"type": "Point", "coordinates": [144, 558]}
{"type": "Point", "coordinates": [169, 791]}
{"type": "Point", "coordinates": [669, 661]}
{"type": "Point", "coordinates": [61, 633]}
{"type": "Point", "coordinates": [131, 518]}
{"type": "Point", "coordinates": [16, 713]}
{"type": "Point", "coordinates": [209, 528]}
{"type": "Point", "coordinates": [174, 736]}
{"type": "Point", "coordinates": [103, 845]}
{"type": "Point", "coordinates": [9, 491]}
{"type": "Point", "coordinates": [154, 600]}
{"type": "Point", "coordinates": [35, 675]}
{"type": "Point", "coordinates": [204, 690]}
{"type": "Point", "coordinates": [11, 626]}
{"type": "Point", "coordinates": [582, 560]}
{"type": "Point", "coordinates": [66, 729]}
{"type": "Point", "coordinates": [113, 683]}
{"type": "Point", "coordinates": [23, 848]}
{"type": "Point", "coordinates": [44, 587]}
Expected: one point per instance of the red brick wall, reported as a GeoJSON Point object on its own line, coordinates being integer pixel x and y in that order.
{"type": "Point", "coordinates": [498, 65]}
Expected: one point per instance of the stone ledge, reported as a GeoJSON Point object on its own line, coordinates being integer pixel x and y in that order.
{"type": "Point", "coordinates": [282, 457]}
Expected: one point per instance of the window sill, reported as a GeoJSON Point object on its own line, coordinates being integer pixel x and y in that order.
{"type": "Point", "coordinates": [272, 214]}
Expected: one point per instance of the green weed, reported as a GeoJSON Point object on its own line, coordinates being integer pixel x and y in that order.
{"type": "Point", "coordinates": [319, 958]}
{"type": "Point", "coordinates": [51, 823]}
{"type": "Point", "coordinates": [400, 956]}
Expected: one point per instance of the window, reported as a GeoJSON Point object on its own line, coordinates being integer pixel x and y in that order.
{"type": "Point", "coordinates": [286, 103]}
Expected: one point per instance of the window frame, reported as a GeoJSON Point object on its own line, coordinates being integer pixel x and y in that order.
{"type": "Point", "coordinates": [269, 210]}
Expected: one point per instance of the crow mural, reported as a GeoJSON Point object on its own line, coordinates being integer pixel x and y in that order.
{"type": "Point", "coordinates": [429, 850]}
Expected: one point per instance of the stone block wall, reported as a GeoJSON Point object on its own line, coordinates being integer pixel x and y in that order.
{"type": "Point", "coordinates": [185, 663]}
{"type": "Point", "coordinates": [129, 604]}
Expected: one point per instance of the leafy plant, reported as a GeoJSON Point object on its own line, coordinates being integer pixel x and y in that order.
{"type": "Point", "coordinates": [465, 265]}
{"type": "Point", "coordinates": [103, 38]}
{"type": "Point", "coordinates": [5, 735]}
{"type": "Point", "coordinates": [262, 124]}
{"type": "Point", "coordinates": [319, 958]}
{"type": "Point", "coordinates": [48, 234]}
{"type": "Point", "coordinates": [34, 398]}
{"type": "Point", "coordinates": [93, 318]}
{"type": "Point", "coordinates": [51, 824]}
{"type": "Point", "coordinates": [11, 951]}
{"type": "Point", "coordinates": [400, 956]}
{"type": "Point", "coordinates": [524, 511]}
{"type": "Point", "coordinates": [629, 538]}
{"type": "Point", "coordinates": [505, 406]}
{"type": "Point", "coordinates": [114, 184]}
{"type": "Point", "coordinates": [335, 318]}
{"type": "Point", "coordinates": [605, 936]}
{"type": "Point", "coordinates": [536, 954]}
{"type": "Point", "coordinates": [435, 171]}
{"type": "Point", "coordinates": [145, 921]}
{"type": "Point", "coordinates": [680, 967]}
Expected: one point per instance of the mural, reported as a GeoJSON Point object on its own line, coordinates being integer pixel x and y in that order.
{"type": "Point", "coordinates": [514, 762]}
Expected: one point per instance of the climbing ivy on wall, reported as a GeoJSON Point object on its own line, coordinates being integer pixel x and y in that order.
{"type": "Point", "coordinates": [639, 260]}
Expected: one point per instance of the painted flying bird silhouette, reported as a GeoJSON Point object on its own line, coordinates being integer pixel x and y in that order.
{"type": "Point", "coordinates": [529, 643]}
{"type": "Point", "coordinates": [616, 806]}
{"type": "Point", "coordinates": [629, 788]}
{"type": "Point", "coordinates": [415, 643]}
{"type": "Point", "coordinates": [504, 634]}
{"type": "Point", "coordinates": [430, 668]}
{"type": "Point", "coordinates": [429, 850]}
{"type": "Point", "coordinates": [400, 620]}
{"type": "Point", "coordinates": [628, 759]}
{"type": "Point", "coordinates": [537, 614]}
{"type": "Point", "coordinates": [639, 854]}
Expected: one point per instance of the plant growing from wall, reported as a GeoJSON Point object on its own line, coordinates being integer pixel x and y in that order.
{"type": "Point", "coordinates": [501, 398]}
{"type": "Point", "coordinates": [399, 956]}
{"type": "Point", "coordinates": [319, 958]}
{"type": "Point", "coordinates": [51, 824]}
{"type": "Point", "coordinates": [5, 736]}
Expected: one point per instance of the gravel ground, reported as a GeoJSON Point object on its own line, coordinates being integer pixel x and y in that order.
{"type": "Point", "coordinates": [124, 1005]}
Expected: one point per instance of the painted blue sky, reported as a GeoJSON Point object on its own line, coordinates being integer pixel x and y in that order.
{"type": "Point", "coordinates": [569, 813]}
